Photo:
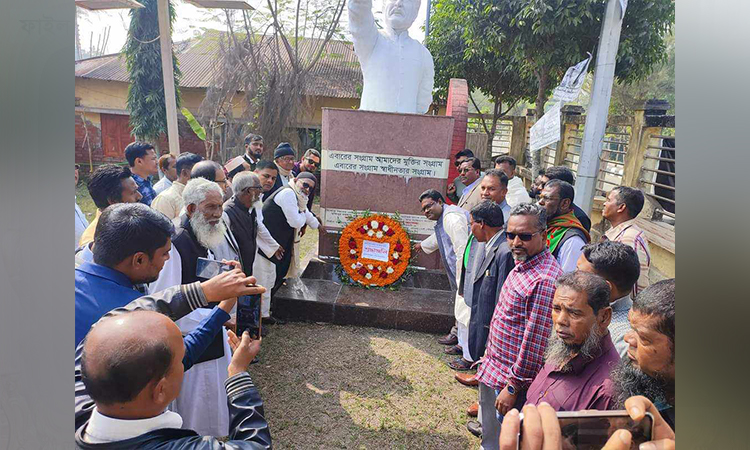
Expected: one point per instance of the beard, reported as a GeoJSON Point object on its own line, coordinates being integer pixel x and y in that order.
{"type": "Point", "coordinates": [209, 236]}
{"type": "Point", "coordinates": [559, 353]}
{"type": "Point", "coordinates": [629, 380]}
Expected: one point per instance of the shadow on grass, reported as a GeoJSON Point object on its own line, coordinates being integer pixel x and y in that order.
{"type": "Point", "coordinates": [327, 386]}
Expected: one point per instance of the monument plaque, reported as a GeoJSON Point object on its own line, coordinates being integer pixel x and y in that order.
{"type": "Point", "coordinates": [381, 162]}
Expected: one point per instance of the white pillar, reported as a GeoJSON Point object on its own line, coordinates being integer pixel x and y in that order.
{"type": "Point", "coordinates": [165, 42]}
{"type": "Point", "coordinates": [596, 117]}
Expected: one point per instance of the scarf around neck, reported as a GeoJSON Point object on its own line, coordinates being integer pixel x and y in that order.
{"type": "Point", "coordinates": [557, 227]}
{"type": "Point", "coordinates": [301, 197]}
{"type": "Point", "coordinates": [282, 171]}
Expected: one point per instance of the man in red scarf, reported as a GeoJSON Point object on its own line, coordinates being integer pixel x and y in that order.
{"type": "Point", "coordinates": [566, 236]}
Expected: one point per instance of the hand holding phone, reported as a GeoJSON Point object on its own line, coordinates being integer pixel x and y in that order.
{"type": "Point", "coordinates": [248, 315]}
{"type": "Point", "coordinates": [209, 268]}
{"type": "Point", "coordinates": [542, 428]}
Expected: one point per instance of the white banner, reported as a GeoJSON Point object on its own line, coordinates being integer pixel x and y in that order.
{"type": "Point", "coordinates": [372, 163]}
{"type": "Point", "coordinates": [335, 218]}
{"type": "Point", "coordinates": [379, 251]}
{"type": "Point", "coordinates": [547, 129]}
{"type": "Point", "coordinates": [571, 84]}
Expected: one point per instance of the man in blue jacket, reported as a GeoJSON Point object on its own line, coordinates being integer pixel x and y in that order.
{"type": "Point", "coordinates": [129, 369]}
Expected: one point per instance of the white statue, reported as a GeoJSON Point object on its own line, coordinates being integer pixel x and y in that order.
{"type": "Point", "coordinates": [399, 73]}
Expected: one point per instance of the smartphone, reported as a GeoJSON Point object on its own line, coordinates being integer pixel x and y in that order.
{"type": "Point", "coordinates": [209, 268]}
{"type": "Point", "coordinates": [248, 315]}
{"type": "Point", "coordinates": [590, 430]}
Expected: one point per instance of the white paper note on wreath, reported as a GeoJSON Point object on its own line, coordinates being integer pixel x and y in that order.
{"type": "Point", "coordinates": [546, 130]}
{"type": "Point", "coordinates": [378, 251]}
{"type": "Point", "coordinates": [570, 87]}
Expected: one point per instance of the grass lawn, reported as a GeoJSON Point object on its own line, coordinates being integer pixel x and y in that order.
{"type": "Point", "coordinates": [327, 386]}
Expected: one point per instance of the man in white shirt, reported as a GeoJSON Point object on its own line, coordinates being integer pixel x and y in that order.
{"type": "Point", "coordinates": [494, 186]}
{"type": "Point", "coordinates": [517, 193]}
{"type": "Point", "coordinates": [81, 222]}
{"type": "Point", "coordinates": [202, 233]}
{"type": "Point", "coordinates": [284, 213]}
{"type": "Point", "coordinates": [450, 238]}
{"type": "Point", "coordinates": [263, 270]}
{"type": "Point", "coordinates": [169, 202]}
{"type": "Point", "coordinates": [566, 236]}
{"type": "Point", "coordinates": [169, 173]}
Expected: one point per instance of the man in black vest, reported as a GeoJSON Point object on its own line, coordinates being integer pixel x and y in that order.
{"type": "Point", "coordinates": [566, 236]}
{"type": "Point", "coordinates": [284, 213]}
{"type": "Point", "coordinates": [202, 233]}
{"type": "Point", "coordinates": [241, 218]}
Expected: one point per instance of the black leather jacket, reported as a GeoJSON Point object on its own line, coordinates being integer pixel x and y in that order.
{"type": "Point", "coordinates": [247, 425]}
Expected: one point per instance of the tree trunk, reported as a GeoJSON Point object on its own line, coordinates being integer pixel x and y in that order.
{"type": "Point", "coordinates": [541, 99]}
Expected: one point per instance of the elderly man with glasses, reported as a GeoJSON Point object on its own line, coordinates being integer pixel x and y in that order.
{"type": "Point", "coordinates": [310, 163]}
{"type": "Point", "coordinates": [284, 159]}
{"type": "Point", "coordinates": [284, 214]}
{"type": "Point", "coordinates": [241, 218]}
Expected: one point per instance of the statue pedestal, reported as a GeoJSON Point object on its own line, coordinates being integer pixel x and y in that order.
{"type": "Point", "coordinates": [381, 162]}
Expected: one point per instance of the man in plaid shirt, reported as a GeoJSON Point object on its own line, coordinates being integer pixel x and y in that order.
{"type": "Point", "coordinates": [521, 323]}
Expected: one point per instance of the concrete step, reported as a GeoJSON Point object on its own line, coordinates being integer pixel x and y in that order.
{"type": "Point", "coordinates": [424, 303]}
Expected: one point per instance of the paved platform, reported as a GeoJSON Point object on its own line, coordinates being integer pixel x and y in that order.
{"type": "Point", "coordinates": [423, 303]}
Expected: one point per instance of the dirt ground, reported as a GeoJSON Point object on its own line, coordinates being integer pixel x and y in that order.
{"type": "Point", "coordinates": [326, 386]}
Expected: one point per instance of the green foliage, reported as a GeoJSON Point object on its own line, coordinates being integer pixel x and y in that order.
{"type": "Point", "coordinates": [545, 37]}
{"type": "Point", "coordinates": [194, 124]}
{"type": "Point", "coordinates": [148, 115]}
{"type": "Point", "coordinates": [494, 72]}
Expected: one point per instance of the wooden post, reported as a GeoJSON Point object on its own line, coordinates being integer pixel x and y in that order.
{"type": "Point", "coordinates": [518, 140]}
{"type": "Point", "coordinates": [566, 129]}
{"type": "Point", "coordinates": [639, 141]}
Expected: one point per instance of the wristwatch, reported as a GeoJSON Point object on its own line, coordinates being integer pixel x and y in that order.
{"type": "Point", "coordinates": [511, 389]}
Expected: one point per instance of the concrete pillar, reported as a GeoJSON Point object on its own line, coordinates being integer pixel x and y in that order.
{"type": "Point", "coordinates": [167, 70]}
{"type": "Point", "coordinates": [458, 108]}
{"type": "Point", "coordinates": [596, 116]}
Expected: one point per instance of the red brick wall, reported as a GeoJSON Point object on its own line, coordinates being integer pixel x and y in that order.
{"type": "Point", "coordinates": [189, 142]}
{"type": "Point", "coordinates": [458, 107]}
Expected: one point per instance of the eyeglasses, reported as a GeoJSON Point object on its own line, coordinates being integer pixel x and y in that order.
{"type": "Point", "coordinates": [287, 158]}
{"type": "Point", "coordinates": [465, 170]}
{"type": "Point", "coordinates": [428, 206]}
{"type": "Point", "coordinates": [459, 162]}
{"type": "Point", "coordinates": [526, 237]}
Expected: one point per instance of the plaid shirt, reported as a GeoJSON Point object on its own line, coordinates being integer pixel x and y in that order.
{"type": "Point", "coordinates": [521, 324]}
{"type": "Point", "coordinates": [630, 234]}
{"type": "Point", "coordinates": [145, 188]}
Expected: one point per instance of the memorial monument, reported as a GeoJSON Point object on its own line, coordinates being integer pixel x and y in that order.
{"type": "Point", "coordinates": [398, 71]}
{"type": "Point", "coordinates": [380, 158]}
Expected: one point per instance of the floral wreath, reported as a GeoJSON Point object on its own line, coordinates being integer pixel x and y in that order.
{"type": "Point", "coordinates": [375, 250]}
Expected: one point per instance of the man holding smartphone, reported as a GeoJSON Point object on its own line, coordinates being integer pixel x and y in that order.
{"type": "Point", "coordinates": [521, 323]}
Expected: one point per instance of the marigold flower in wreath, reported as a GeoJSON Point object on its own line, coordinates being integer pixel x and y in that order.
{"type": "Point", "coordinates": [378, 229]}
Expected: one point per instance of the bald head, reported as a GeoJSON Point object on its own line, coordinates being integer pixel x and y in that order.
{"type": "Point", "coordinates": [124, 355]}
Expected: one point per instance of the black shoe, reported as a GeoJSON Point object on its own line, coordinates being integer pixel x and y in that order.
{"type": "Point", "coordinates": [271, 320]}
{"type": "Point", "coordinates": [474, 428]}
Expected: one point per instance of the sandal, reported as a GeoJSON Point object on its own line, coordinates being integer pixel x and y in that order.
{"type": "Point", "coordinates": [454, 350]}
{"type": "Point", "coordinates": [460, 365]}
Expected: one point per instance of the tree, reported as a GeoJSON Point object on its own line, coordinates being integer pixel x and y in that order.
{"type": "Point", "coordinates": [492, 71]}
{"type": "Point", "coordinates": [266, 56]}
{"type": "Point", "coordinates": [548, 36]}
{"type": "Point", "coordinates": [148, 112]}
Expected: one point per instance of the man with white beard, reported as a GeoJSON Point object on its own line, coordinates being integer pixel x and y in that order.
{"type": "Point", "coordinates": [580, 354]}
{"type": "Point", "coordinates": [201, 233]}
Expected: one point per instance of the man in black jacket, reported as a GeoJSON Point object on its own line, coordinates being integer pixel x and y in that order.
{"type": "Point", "coordinates": [129, 369]}
{"type": "Point", "coordinates": [483, 273]}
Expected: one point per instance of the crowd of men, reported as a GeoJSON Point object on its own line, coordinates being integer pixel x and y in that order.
{"type": "Point", "coordinates": [144, 316]}
{"type": "Point", "coordinates": [544, 316]}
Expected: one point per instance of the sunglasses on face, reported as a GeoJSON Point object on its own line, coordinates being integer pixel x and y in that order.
{"type": "Point", "coordinates": [312, 162]}
{"type": "Point", "coordinates": [526, 237]}
{"type": "Point", "coordinates": [307, 186]}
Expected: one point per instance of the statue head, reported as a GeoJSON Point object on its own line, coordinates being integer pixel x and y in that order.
{"type": "Point", "coordinates": [400, 14]}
